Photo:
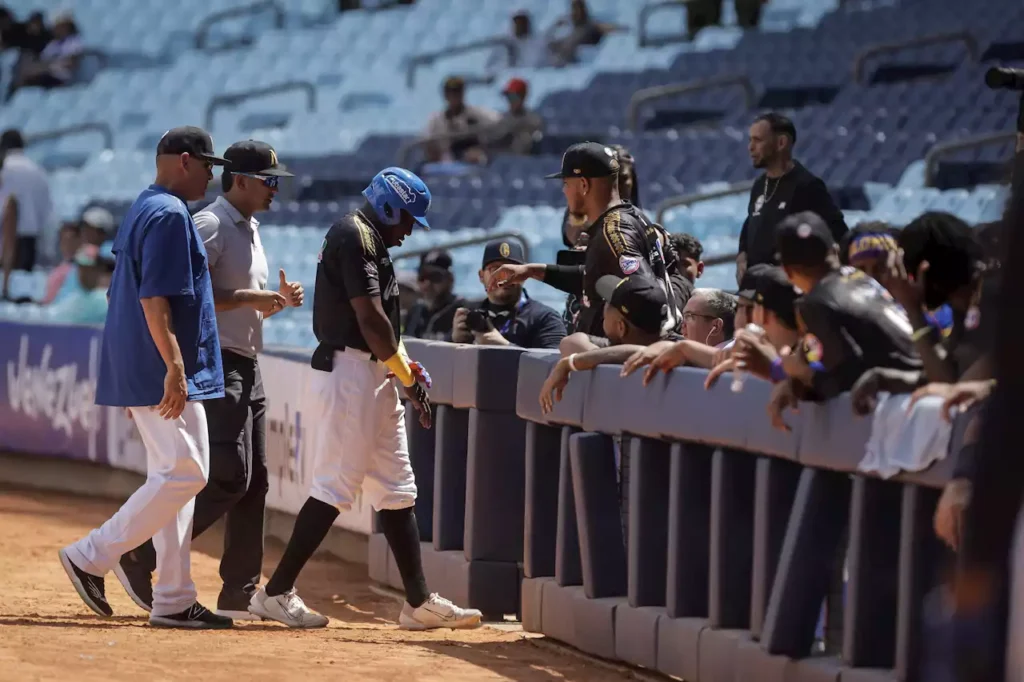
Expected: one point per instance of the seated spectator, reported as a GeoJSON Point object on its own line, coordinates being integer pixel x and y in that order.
{"type": "Point", "coordinates": [69, 242]}
{"type": "Point", "coordinates": [583, 30]}
{"type": "Point", "coordinates": [97, 225]}
{"type": "Point", "coordinates": [689, 268]}
{"type": "Point", "coordinates": [846, 318]}
{"type": "Point", "coordinates": [58, 62]}
{"type": "Point", "coordinates": [457, 118]}
{"type": "Point", "coordinates": [531, 50]}
{"type": "Point", "coordinates": [30, 37]}
{"type": "Point", "coordinates": [508, 317]}
{"type": "Point", "coordinates": [867, 247]}
{"type": "Point", "coordinates": [88, 304]}
{"type": "Point", "coordinates": [634, 313]}
{"type": "Point", "coordinates": [433, 315]}
{"type": "Point", "coordinates": [519, 128]}
{"type": "Point", "coordinates": [709, 320]}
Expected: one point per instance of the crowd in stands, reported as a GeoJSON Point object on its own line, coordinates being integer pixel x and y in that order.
{"type": "Point", "coordinates": [48, 56]}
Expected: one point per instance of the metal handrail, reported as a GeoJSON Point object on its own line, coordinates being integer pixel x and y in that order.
{"type": "Point", "coordinates": [645, 14]}
{"type": "Point", "coordinates": [204, 29]}
{"type": "Point", "coordinates": [232, 98]}
{"type": "Point", "coordinates": [475, 131]}
{"type": "Point", "coordinates": [95, 126]}
{"type": "Point", "coordinates": [931, 159]}
{"type": "Point", "coordinates": [470, 241]}
{"type": "Point", "coordinates": [646, 95]}
{"type": "Point", "coordinates": [965, 37]}
{"type": "Point", "coordinates": [426, 58]}
{"type": "Point", "coordinates": [687, 199]}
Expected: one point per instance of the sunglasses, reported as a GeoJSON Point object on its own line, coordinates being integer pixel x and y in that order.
{"type": "Point", "coordinates": [269, 181]}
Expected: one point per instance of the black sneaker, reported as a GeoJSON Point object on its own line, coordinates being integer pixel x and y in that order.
{"type": "Point", "coordinates": [89, 587]}
{"type": "Point", "coordinates": [195, 617]}
{"type": "Point", "coordinates": [136, 580]}
{"type": "Point", "coordinates": [234, 604]}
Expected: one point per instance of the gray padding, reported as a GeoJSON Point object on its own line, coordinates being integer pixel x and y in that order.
{"type": "Point", "coordinates": [595, 624]}
{"type": "Point", "coordinates": [679, 646]}
{"type": "Point", "coordinates": [636, 634]}
{"type": "Point", "coordinates": [615, 405]}
{"type": "Point", "coordinates": [540, 519]}
{"type": "Point", "coordinates": [531, 603]}
{"type": "Point", "coordinates": [451, 429]}
{"type": "Point", "coordinates": [717, 658]}
{"type": "Point", "coordinates": [832, 437]}
{"type": "Point", "coordinates": [556, 611]}
{"type": "Point", "coordinates": [495, 484]}
{"type": "Point", "coordinates": [534, 368]}
{"type": "Point", "coordinates": [754, 664]}
{"type": "Point", "coordinates": [485, 377]}
{"type": "Point", "coordinates": [814, 670]}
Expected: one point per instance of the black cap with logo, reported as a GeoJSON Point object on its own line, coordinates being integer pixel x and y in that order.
{"type": "Point", "coordinates": [189, 140]}
{"type": "Point", "coordinates": [588, 160]}
{"type": "Point", "coordinates": [255, 158]}
{"type": "Point", "coordinates": [505, 251]}
{"type": "Point", "coordinates": [777, 294]}
{"type": "Point", "coordinates": [641, 300]}
{"type": "Point", "coordinates": [748, 283]}
{"type": "Point", "coordinates": [803, 239]}
{"type": "Point", "coordinates": [435, 262]}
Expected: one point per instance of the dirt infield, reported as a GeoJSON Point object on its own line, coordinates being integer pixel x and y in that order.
{"type": "Point", "coordinates": [46, 633]}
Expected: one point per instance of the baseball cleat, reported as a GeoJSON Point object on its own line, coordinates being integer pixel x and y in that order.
{"type": "Point", "coordinates": [287, 608]}
{"type": "Point", "coordinates": [89, 587]}
{"type": "Point", "coordinates": [438, 612]}
{"type": "Point", "coordinates": [195, 617]}
{"type": "Point", "coordinates": [136, 580]}
{"type": "Point", "coordinates": [234, 604]}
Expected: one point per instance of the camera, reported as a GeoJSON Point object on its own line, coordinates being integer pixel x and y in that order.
{"type": "Point", "coordinates": [1003, 78]}
{"type": "Point", "coordinates": [482, 321]}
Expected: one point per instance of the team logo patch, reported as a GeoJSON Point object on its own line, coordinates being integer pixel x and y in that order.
{"type": "Point", "coordinates": [629, 264]}
{"type": "Point", "coordinates": [504, 250]}
{"type": "Point", "coordinates": [320, 253]}
{"type": "Point", "coordinates": [813, 347]}
{"type": "Point", "coordinates": [973, 318]}
{"type": "Point", "coordinates": [803, 231]}
{"type": "Point", "coordinates": [758, 204]}
{"type": "Point", "coordinates": [403, 190]}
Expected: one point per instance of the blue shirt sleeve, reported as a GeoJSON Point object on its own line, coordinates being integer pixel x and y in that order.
{"type": "Point", "coordinates": [165, 264]}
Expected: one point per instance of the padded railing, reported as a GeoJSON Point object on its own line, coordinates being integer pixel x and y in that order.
{"type": "Point", "coordinates": [448, 246]}
{"type": "Point", "coordinates": [651, 8]}
{"type": "Point", "coordinates": [97, 126]}
{"type": "Point", "coordinates": [935, 154]}
{"type": "Point", "coordinates": [480, 131]}
{"type": "Point", "coordinates": [203, 33]}
{"type": "Point", "coordinates": [233, 98]}
{"type": "Point", "coordinates": [647, 95]}
{"type": "Point", "coordinates": [965, 37]}
{"type": "Point", "coordinates": [733, 534]}
{"type": "Point", "coordinates": [427, 58]}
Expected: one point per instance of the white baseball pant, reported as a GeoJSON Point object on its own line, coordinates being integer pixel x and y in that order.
{"type": "Point", "coordinates": [360, 436]}
{"type": "Point", "coordinates": [178, 463]}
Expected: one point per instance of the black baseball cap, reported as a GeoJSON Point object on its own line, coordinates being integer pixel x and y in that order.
{"type": "Point", "coordinates": [507, 251]}
{"type": "Point", "coordinates": [588, 160]}
{"type": "Point", "coordinates": [255, 158]}
{"type": "Point", "coordinates": [776, 293]}
{"type": "Point", "coordinates": [748, 283]}
{"type": "Point", "coordinates": [189, 140]}
{"type": "Point", "coordinates": [640, 299]}
{"type": "Point", "coordinates": [803, 239]}
{"type": "Point", "coordinates": [436, 261]}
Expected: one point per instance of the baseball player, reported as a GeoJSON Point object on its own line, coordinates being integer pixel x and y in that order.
{"type": "Point", "coordinates": [160, 359]}
{"type": "Point", "coordinates": [361, 442]}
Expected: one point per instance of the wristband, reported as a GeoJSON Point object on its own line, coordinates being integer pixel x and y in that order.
{"type": "Point", "coordinates": [919, 334]}
{"type": "Point", "coordinates": [402, 351]}
{"type": "Point", "coordinates": [777, 373]}
{"type": "Point", "coordinates": [572, 363]}
{"type": "Point", "coordinates": [400, 366]}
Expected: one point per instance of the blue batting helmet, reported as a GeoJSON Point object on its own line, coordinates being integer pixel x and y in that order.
{"type": "Point", "coordinates": [394, 190]}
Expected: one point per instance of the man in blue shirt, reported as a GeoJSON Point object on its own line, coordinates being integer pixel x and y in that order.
{"type": "Point", "coordinates": [160, 359]}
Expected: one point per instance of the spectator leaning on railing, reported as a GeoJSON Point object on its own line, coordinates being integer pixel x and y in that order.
{"type": "Point", "coordinates": [508, 316]}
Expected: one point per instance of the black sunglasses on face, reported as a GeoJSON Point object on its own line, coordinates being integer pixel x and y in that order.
{"type": "Point", "coordinates": [269, 181]}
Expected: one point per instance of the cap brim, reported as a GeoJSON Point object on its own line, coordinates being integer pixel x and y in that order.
{"type": "Point", "coordinates": [606, 285]}
{"type": "Point", "coordinates": [215, 160]}
{"type": "Point", "coordinates": [278, 172]}
{"type": "Point", "coordinates": [422, 221]}
{"type": "Point", "coordinates": [559, 175]}
{"type": "Point", "coordinates": [747, 294]}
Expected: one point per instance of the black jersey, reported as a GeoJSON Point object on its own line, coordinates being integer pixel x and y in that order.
{"type": "Point", "coordinates": [856, 325]}
{"type": "Point", "coordinates": [352, 262]}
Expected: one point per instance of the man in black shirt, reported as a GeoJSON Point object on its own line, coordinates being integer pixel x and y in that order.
{"type": "Point", "coordinates": [622, 240]}
{"type": "Point", "coordinates": [431, 318]}
{"type": "Point", "coordinates": [785, 188]}
{"type": "Point", "coordinates": [361, 427]}
{"type": "Point", "coordinates": [508, 316]}
{"type": "Point", "coordinates": [849, 321]}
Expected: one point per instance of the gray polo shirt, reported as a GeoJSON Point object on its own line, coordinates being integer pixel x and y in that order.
{"type": "Point", "coordinates": [237, 261]}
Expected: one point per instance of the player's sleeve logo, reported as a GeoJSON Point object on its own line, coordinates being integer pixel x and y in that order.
{"type": "Point", "coordinates": [629, 264]}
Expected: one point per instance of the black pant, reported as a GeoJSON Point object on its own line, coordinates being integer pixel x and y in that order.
{"type": "Point", "coordinates": [238, 476]}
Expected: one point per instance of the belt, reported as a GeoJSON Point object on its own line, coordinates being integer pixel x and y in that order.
{"type": "Point", "coordinates": [355, 352]}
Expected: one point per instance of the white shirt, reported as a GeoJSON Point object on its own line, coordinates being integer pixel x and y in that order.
{"type": "Point", "coordinates": [29, 185]}
{"type": "Point", "coordinates": [237, 261]}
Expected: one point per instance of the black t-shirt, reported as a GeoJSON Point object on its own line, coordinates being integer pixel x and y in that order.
{"type": "Point", "coordinates": [422, 322]}
{"type": "Point", "coordinates": [857, 326]}
{"type": "Point", "coordinates": [772, 200]}
{"type": "Point", "coordinates": [622, 242]}
{"type": "Point", "coordinates": [352, 262]}
{"type": "Point", "coordinates": [527, 324]}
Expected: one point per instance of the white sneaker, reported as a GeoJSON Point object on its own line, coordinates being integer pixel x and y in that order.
{"type": "Point", "coordinates": [287, 608]}
{"type": "Point", "coordinates": [438, 612]}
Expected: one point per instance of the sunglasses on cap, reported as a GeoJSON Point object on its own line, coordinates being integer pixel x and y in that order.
{"type": "Point", "coordinates": [269, 181]}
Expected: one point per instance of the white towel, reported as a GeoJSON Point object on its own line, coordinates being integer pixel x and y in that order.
{"type": "Point", "coordinates": [903, 440]}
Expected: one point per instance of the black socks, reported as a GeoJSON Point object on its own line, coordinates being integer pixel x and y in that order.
{"type": "Point", "coordinates": [403, 535]}
{"type": "Point", "coordinates": [311, 527]}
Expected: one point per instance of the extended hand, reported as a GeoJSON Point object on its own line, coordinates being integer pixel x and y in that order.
{"type": "Point", "coordinates": [554, 385]}
{"type": "Point", "coordinates": [508, 275]}
{"type": "Point", "coordinates": [292, 292]}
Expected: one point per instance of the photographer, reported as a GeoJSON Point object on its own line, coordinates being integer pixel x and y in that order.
{"type": "Point", "coordinates": [508, 317]}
